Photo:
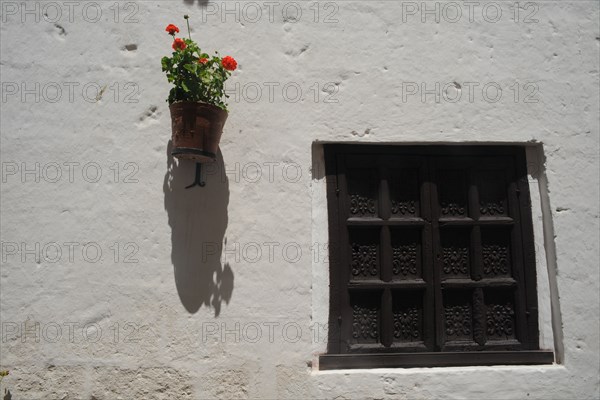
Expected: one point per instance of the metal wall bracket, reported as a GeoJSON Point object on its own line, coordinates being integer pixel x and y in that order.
{"type": "Point", "coordinates": [198, 178]}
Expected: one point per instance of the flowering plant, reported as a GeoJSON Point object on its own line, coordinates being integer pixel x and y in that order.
{"type": "Point", "coordinates": [196, 76]}
{"type": "Point", "coordinates": [4, 373]}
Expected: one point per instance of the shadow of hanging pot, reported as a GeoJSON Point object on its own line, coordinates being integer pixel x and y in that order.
{"type": "Point", "coordinates": [197, 129]}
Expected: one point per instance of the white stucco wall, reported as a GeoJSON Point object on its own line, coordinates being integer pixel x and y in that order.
{"type": "Point", "coordinates": [167, 311]}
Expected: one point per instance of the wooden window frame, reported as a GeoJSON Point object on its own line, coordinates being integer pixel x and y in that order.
{"type": "Point", "coordinates": [430, 353]}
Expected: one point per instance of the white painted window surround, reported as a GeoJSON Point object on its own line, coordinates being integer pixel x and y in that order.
{"type": "Point", "coordinates": [548, 300]}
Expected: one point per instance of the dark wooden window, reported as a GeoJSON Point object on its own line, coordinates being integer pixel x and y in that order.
{"type": "Point", "coordinates": [432, 257]}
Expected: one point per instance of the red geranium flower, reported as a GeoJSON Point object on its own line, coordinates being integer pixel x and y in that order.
{"type": "Point", "coordinates": [172, 29]}
{"type": "Point", "coordinates": [203, 60]}
{"type": "Point", "coordinates": [229, 63]}
{"type": "Point", "coordinates": [179, 44]}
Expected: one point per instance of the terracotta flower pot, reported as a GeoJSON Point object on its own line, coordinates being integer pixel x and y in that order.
{"type": "Point", "coordinates": [197, 129]}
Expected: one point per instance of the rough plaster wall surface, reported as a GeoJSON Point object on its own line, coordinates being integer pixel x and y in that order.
{"type": "Point", "coordinates": [215, 292]}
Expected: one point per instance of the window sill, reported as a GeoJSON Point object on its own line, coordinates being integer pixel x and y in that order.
{"type": "Point", "coordinates": [484, 358]}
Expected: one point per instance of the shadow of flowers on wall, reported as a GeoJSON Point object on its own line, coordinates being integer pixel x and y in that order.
{"type": "Point", "coordinates": [198, 220]}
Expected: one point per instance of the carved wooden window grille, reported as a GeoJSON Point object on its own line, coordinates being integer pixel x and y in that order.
{"type": "Point", "coordinates": [432, 257]}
